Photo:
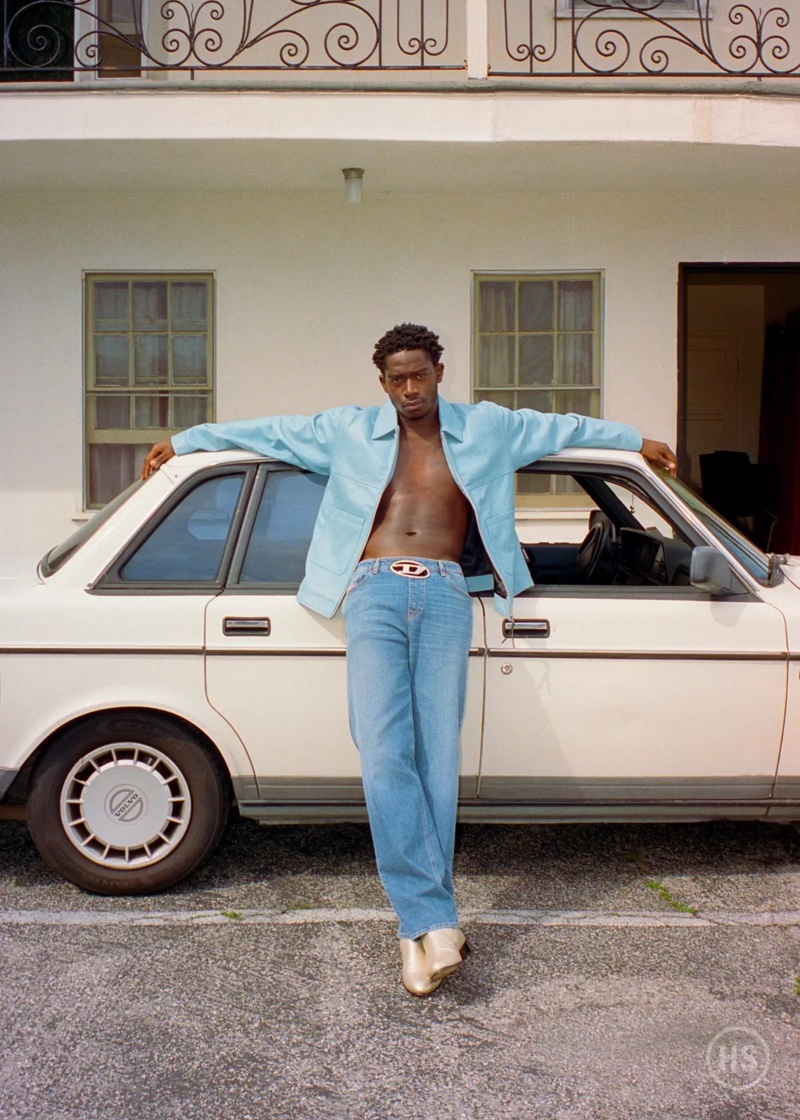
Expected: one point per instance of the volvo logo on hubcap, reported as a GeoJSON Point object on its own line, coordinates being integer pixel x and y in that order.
{"type": "Point", "coordinates": [126, 804]}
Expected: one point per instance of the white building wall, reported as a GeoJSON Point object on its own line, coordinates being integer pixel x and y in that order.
{"type": "Point", "coordinates": [306, 283]}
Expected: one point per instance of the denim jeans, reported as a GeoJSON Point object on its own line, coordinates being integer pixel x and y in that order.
{"type": "Point", "coordinates": [407, 646]}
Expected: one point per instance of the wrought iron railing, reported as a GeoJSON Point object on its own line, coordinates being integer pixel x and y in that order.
{"type": "Point", "coordinates": [648, 38]}
{"type": "Point", "coordinates": [68, 40]}
{"type": "Point", "coordinates": [56, 39]}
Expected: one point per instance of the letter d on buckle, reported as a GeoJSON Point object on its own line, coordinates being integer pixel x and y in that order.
{"type": "Point", "coordinates": [410, 569]}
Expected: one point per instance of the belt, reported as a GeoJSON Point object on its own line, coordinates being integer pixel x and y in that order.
{"type": "Point", "coordinates": [412, 567]}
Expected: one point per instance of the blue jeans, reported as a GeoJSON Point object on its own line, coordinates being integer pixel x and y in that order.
{"type": "Point", "coordinates": [407, 647]}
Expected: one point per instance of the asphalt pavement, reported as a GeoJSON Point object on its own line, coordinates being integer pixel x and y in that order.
{"type": "Point", "coordinates": [618, 972]}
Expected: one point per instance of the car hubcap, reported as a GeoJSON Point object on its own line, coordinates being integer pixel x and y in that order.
{"type": "Point", "coordinates": [125, 805]}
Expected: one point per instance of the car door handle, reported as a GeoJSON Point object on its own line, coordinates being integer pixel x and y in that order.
{"type": "Point", "coordinates": [233, 626]}
{"type": "Point", "coordinates": [526, 628]}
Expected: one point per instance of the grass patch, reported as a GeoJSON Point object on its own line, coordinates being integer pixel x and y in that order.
{"type": "Point", "coordinates": [665, 894]}
{"type": "Point", "coordinates": [234, 915]}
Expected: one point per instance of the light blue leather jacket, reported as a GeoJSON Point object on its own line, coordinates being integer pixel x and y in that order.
{"type": "Point", "coordinates": [484, 445]}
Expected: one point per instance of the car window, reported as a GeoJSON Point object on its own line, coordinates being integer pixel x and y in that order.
{"type": "Point", "coordinates": [619, 538]}
{"type": "Point", "coordinates": [748, 554]}
{"type": "Point", "coordinates": [287, 512]}
{"type": "Point", "coordinates": [62, 552]}
{"type": "Point", "coordinates": [643, 510]}
{"type": "Point", "coordinates": [188, 545]}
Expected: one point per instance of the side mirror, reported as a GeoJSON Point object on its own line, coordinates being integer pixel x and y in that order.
{"type": "Point", "coordinates": [711, 572]}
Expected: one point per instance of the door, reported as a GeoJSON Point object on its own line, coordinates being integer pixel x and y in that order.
{"type": "Point", "coordinates": [714, 397]}
{"type": "Point", "coordinates": [617, 680]}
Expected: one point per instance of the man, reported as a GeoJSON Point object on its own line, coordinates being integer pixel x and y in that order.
{"type": "Point", "coordinates": [414, 487]}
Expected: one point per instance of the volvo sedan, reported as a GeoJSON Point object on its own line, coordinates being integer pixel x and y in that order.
{"type": "Point", "coordinates": [156, 669]}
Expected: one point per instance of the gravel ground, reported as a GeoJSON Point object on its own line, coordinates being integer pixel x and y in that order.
{"type": "Point", "coordinates": [606, 962]}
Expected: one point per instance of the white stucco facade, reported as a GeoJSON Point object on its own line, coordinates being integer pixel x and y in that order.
{"type": "Point", "coordinates": [247, 185]}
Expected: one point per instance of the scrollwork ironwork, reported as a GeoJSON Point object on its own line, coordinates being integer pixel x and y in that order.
{"type": "Point", "coordinates": [649, 38]}
{"type": "Point", "coordinates": [424, 45]}
{"type": "Point", "coordinates": [59, 39]}
{"type": "Point", "coordinates": [217, 35]}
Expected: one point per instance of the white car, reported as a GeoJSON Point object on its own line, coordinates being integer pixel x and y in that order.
{"type": "Point", "coordinates": [156, 668]}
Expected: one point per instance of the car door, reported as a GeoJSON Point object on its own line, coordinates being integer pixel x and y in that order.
{"type": "Point", "coordinates": [276, 670]}
{"type": "Point", "coordinates": [634, 687]}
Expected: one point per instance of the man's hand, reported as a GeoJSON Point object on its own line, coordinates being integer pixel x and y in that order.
{"type": "Point", "coordinates": [158, 454]}
{"type": "Point", "coordinates": [660, 455]}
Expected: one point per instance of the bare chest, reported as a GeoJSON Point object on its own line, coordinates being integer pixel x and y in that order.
{"type": "Point", "coordinates": [422, 511]}
{"type": "Point", "coordinates": [422, 469]}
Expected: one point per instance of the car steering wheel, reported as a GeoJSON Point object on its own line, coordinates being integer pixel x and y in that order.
{"type": "Point", "coordinates": [593, 546]}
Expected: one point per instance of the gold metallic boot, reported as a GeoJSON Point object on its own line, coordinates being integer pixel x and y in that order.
{"type": "Point", "coordinates": [416, 971]}
{"type": "Point", "coordinates": [445, 949]}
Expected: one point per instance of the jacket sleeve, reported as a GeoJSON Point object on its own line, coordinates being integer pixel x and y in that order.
{"type": "Point", "coordinates": [531, 435]}
{"type": "Point", "coordinates": [303, 441]}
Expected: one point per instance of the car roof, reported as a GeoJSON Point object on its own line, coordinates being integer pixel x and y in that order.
{"type": "Point", "coordinates": [180, 466]}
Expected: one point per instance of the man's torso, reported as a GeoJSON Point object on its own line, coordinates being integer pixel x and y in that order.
{"type": "Point", "coordinates": [422, 511]}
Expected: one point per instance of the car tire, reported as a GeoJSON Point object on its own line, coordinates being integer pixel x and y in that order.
{"type": "Point", "coordinates": [127, 804]}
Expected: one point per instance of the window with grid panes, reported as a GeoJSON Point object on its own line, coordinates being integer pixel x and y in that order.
{"type": "Point", "coordinates": [627, 8]}
{"type": "Point", "coordinates": [149, 370]}
{"type": "Point", "coordinates": [537, 345]}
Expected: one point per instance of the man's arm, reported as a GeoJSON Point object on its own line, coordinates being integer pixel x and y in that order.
{"type": "Point", "coordinates": [532, 435]}
{"type": "Point", "coordinates": [304, 441]}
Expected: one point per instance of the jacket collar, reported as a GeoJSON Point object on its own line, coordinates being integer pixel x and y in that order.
{"type": "Point", "coordinates": [450, 420]}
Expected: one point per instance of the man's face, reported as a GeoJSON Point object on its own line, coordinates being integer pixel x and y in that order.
{"type": "Point", "coordinates": [412, 383]}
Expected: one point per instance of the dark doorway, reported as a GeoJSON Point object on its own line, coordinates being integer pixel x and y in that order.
{"type": "Point", "coordinates": [739, 411]}
{"type": "Point", "coordinates": [37, 39]}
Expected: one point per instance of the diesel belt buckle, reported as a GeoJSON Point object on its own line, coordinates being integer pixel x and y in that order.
{"type": "Point", "coordinates": [410, 569]}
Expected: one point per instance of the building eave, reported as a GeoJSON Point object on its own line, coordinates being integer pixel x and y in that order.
{"type": "Point", "coordinates": [504, 140]}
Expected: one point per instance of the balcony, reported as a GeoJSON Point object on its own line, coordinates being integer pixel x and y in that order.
{"type": "Point", "coordinates": [370, 43]}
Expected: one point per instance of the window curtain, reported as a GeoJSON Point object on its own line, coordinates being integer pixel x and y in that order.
{"type": "Point", "coordinates": [497, 348]}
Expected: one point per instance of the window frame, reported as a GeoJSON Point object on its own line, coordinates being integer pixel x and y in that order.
{"type": "Point", "coordinates": [111, 582]}
{"type": "Point", "coordinates": [554, 503]}
{"type": "Point", "coordinates": [674, 9]}
{"type": "Point", "coordinates": [90, 392]}
{"type": "Point", "coordinates": [233, 586]}
{"type": "Point", "coordinates": [667, 510]}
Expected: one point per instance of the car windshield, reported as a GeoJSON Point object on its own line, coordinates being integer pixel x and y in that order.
{"type": "Point", "coordinates": [749, 555]}
{"type": "Point", "coordinates": [62, 552]}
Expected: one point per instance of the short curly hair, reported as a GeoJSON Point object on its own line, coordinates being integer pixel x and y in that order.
{"type": "Point", "coordinates": [407, 336]}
